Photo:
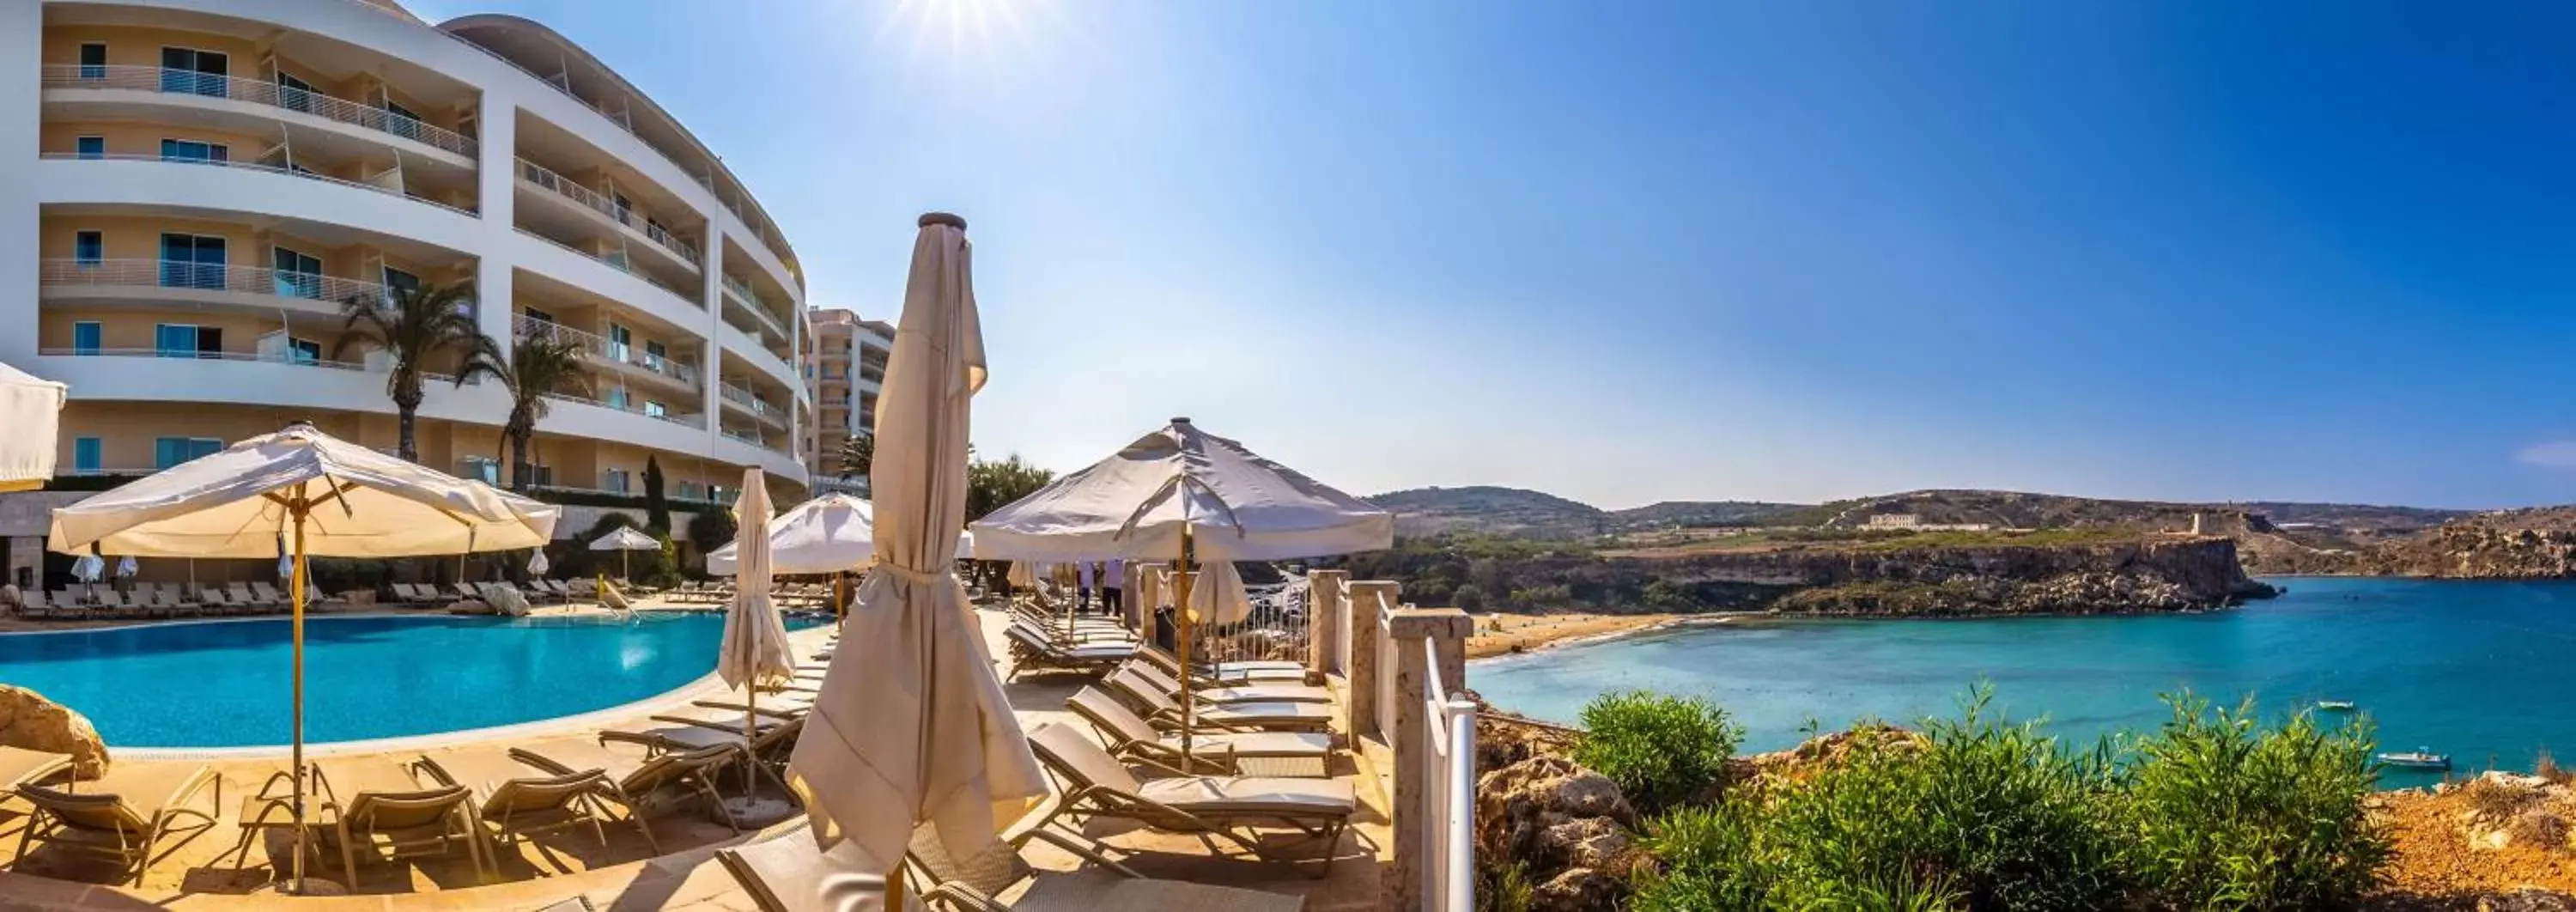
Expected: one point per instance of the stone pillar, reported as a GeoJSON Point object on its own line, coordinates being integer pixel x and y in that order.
{"type": "Point", "coordinates": [1413, 801]}
{"type": "Point", "coordinates": [1324, 621]}
{"type": "Point", "coordinates": [1365, 676]}
{"type": "Point", "coordinates": [27, 559]}
{"type": "Point", "coordinates": [1131, 594]}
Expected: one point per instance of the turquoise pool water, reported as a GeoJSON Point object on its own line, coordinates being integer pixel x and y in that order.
{"type": "Point", "coordinates": [225, 683]}
{"type": "Point", "coordinates": [2476, 670]}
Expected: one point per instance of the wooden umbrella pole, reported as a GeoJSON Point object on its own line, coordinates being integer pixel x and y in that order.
{"type": "Point", "coordinates": [1181, 607]}
{"type": "Point", "coordinates": [301, 508]}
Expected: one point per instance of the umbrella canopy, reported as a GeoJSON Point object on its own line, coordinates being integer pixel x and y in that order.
{"type": "Point", "coordinates": [755, 638]}
{"type": "Point", "coordinates": [1238, 506]}
{"type": "Point", "coordinates": [31, 409]}
{"type": "Point", "coordinates": [625, 538]}
{"type": "Point", "coordinates": [1024, 574]}
{"type": "Point", "coordinates": [1217, 596]}
{"type": "Point", "coordinates": [828, 534]}
{"type": "Point", "coordinates": [311, 494]}
{"type": "Point", "coordinates": [910, 725]}
{"type": "Point", "coordinates": [537, 564]}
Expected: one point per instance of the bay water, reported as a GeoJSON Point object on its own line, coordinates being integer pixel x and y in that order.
{"type": "Point", "coordinates": [2484, 671]}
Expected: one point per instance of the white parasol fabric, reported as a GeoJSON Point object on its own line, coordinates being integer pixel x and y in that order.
{"type": "Point", "coordinates": [89, 568]}
{"type": "Point", "coordinates": [314, 495]}
{"type": "Point", "coordinates": [625, 538]}
{"type": "Point", "coordinates": [1217, 596]}
{"type": "Point", "coordinates": [910, 725]}
{"type": "Point", "coordinates": [1024, 574]}
{"type": "Point", "coordinates": [537, 563]}
{"type": "Point", "coordinates": [1237, 505]}
{"type": "Point", "coordinates": [755, 637]}
{"type": "Point", "coordinates": [828, 534]}
{"type": "Point", "coordinates": [125, 566]}
{"type": "Point", "coordinates": [32, 410]}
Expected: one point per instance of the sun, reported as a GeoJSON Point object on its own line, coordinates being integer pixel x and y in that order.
{"type": "Point", "coordinates": [959, 28]}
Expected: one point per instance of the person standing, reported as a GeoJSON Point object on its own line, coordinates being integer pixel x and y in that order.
{"type": "Point", "coordinates": [1113, 584]}
{"type": "Point", "coordinates": [1082, 592]}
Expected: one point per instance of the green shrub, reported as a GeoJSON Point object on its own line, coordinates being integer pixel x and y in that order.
{"type": "Point", "coordinates": [2225, 814]}
{"type": "Point", "coordinates": [1659, 749]}
{"type": "Point", "coordinates": [1468, 598]}
{"type": "Point", "coordinates": [1705, 858]}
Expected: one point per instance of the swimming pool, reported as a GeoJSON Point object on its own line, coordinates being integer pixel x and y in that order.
{"type": "Point", "coordinates": [226, 684]}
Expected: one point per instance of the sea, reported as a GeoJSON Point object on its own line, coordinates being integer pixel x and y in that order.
{"type": "Point", "coordinates": [2484, 671]}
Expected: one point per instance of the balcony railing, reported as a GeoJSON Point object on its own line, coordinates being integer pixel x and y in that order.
{"type": "Point", "coordinates": [601, 347]}
{"type": "Point", "coordinates": [618, 262]}
{"type": "Point", "coordinates": [537, 176]}
{"type": "Point", "coordinates": [635, 406]}
{"type": "Point", "coordinates": [253, 91]}
{"type": "Point", "coordinates": [282, 283]}
{"type": "Point", "coordinates": [285, 358]}
{"type": "Point", "coordinates": [306, 173]}
{"type": "Point", "coordinates": [758, 306]}
{"type": "Point", "coordinates": [750, 400]}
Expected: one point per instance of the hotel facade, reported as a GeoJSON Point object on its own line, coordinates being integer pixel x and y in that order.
{"type": "Point", "coordinates": [201, 184]}
{"type": "Point", "coordinates": [845, 365]}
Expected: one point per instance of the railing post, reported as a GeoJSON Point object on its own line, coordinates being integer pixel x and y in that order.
{"type": "Point", "coordinates": [1362, 694]}
{"type": "Point", "coordinates": [1324, 616]}
{"type": "Point", "coordinates": [1416, 808]}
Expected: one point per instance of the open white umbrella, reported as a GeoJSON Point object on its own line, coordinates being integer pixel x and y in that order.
{"type": "Point", "coordinates": [755, 639]}
{"type": "Point", "coordinates": [1181, 491]}
{"type": "Point", "coordinates": [910, 724]}
{"type": "Point", "coordinates": [319, 496]}
{"type": "Point", "coordinates": [832, 533]}
{"type": "Point", "coordinates": [621, 540]}
{"type": "Point", "coordinates": [31, 409]}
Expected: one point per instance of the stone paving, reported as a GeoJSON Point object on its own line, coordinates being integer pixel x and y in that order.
{"type": "Point", "coordinates": [205, 872]}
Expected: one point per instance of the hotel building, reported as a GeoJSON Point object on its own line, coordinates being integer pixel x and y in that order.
{"type": "Point", "coordinates": [845, 365]}
{"type": "Point", "coordinates": [200, 184]}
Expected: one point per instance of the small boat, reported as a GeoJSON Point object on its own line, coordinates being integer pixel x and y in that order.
{"type": "Point", "coordinates": [2335, 705]}
{"type": "Point", "coordinates": [2418, 758]}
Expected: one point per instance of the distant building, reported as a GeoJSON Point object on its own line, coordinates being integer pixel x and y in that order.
{"type": "Point", "coordinates": [1909, 522]}
{"type": "Point", "coordinates": [845, 364]}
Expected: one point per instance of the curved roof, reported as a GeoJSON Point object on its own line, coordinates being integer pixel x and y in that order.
{"type": "Point", "coordinates": [519, 27]}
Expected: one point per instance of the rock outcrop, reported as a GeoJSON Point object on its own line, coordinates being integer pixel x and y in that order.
{"type": "Point", "coordinates": [1567, 827]}
{"type": "Point", "coordinates": [28, 720]}
{"type": "Point", "coordinates": [2163, 573]}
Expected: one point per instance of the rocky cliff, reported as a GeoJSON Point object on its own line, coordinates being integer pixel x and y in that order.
{"type": "Point", "coordinates": [2504, 546]}
{"type": "Point", "coordinates": [2159, 573]}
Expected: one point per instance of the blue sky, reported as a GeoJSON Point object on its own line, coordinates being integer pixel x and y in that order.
{"type": "Point", "coordinates": [1637, 252]}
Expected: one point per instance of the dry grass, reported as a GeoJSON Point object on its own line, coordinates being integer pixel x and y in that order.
{"type": "Point", "coordinates": [2496, 799]}
{"type": "Point", "coordinates": [2546, 767]}
{"type": "Point", "coordinates": [2538, 828]}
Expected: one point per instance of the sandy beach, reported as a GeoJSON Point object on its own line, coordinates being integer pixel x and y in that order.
{"type": "Point", "coordinates": [1504, 634]}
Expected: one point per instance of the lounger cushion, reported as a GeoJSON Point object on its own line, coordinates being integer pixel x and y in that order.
{"type": "Point", "coordinates": [18, 764]}
{"type": "Point", "coordinates": [1266, 693]}
{"type": "Point", "coordinates": [789, 875]}
{"type": "Point", "coordinates": [1246, 795]}
{"type": "Point", "coordinates": [1260, 714]}
{"type": "Point", "coordinates": [1256, 744]}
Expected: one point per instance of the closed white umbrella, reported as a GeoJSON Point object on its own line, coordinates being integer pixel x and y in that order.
{"type": "Point", "coordinates": [319, 496]}
{"type": "Point", "coordinates": [125, 567]}
{"type": "Point", "coordinates": [31, 410]}
{"type": "Point", "coordinates": [1217, 596]}
{"type": "Point", "coordinates": [755, 639]}
{"type": "Point", "coordinates": [537, 565]}
{"type": "Point", "coordinates": [1181, 491]}
{"type": "Point", "coordinates": [89, 568]}
{"type": "Point", "coordinates": [621, 540]}
{"type": "Point", "coordinates": [910, 725]}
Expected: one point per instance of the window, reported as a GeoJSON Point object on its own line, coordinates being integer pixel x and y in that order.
{"type": "Point", "coordinates": [655, 409]}
{"type": "Point", "coordinates": [85, 337]}
{"type": "Point", "coordinates": [540, 315]}
{"type": "Point", "coordinates": [298, 275]}
{"type": "Point", "coordinates": [85, 455]}
{"type": "Point", "coordinates": [483, 469]}
{"type": "Point", "coordinates": [616, 481]}
{"type": "Point", "coordinates": [303, 351]}
{"type": "Point", "coordinates": [688, 490]}
{"type": "Point", "coordinates": [189, 150]}
{"type": "Point", "coordinates": [88, 248]}
{"type": "Point", "coordinates": [617, 399]}
{"type": "Point", "coordinates": [195, 72]}
{"type": "Point", "coordinates": [619, 338]}
{"type": "Point", "coordinates": [90, 147]}
{"type": "Point", "coordinates": [294, 94]}
{"type": "Point", "coordinates": [93, 61]}
{"type": "Point", "coordinates": [171, 451]}
{"type": "Point", "coordinates": [655, 355]}
{"type": "Point", "coordinates": [400, 121]}
{"type": "Point", "coordinates": [192, 261]}
{"type": "Point", "coordinates": [399, 282]}
{"type": "Point", "coordinates": [187, 340]}
{"type": "Point", "coordinates": [625, 207]}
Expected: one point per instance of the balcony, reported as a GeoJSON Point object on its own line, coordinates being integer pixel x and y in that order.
{"type": "Point", "coordinates": [751, 403]}
{"type": "Point", "coordinates": [289, 358]}
{"type": "Point", "coordinates": [249, 287]}
{"type": "Point", "coordinates": [200, 91]}
{"type": "Point", "coordinates": [537, 177]}
{"type": "Point", "coordinates": [617, 261]}
{"type": "Point", "coordinates": [752, 303]}
{"type": "Point", "coordinates": [631, 406]}
{"type": "Point", "coordinates": [628, 359]}
{"type": "Point", "coordinates": [288, 170]}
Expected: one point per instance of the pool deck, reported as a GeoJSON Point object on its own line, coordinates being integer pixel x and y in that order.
{"type": "Point", "coordinates": [201, 871]}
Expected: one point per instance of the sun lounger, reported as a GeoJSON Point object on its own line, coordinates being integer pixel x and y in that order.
{"type": "Point", "coordinates": [1234, 693]}
{"type": "Point", "coordinates": [770, 747]}
{"type": "Point", "coordinates": [104, 820]}
{"type": "Point", "coordinates": [1211, 749]}
{"type": "Point", "coordinates": [728, 720]}
{"type": "Point", "coordinates": [641, 780]}
{"type": "Point", "coordinates": [1095, 786]}
{"type": "Point", "coordinates": [393, 815]}
{"type": "Point", "coordinates": [517, 801]}
{"type": "Point", "coordinates": [19, 766]}
{"type": "Point", "coordinates": [269, 595]}
{"type": "Point", "coordinates": [781, 705]}
{"type": "Point", "coordinates": [786, 873]}
{"type": "Point", "coordinates": [1157, 705]}
{"type": "Point", "coordinates": [245, 598]}
{"type": "Point", "coordinates": [1031, 651]}
{"type": "Point", "coordinates": [35, 605]}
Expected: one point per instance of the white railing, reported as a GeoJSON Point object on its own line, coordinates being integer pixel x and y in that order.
{"type": "Point", "coordinates": [536, 175]}
{"type": "Point", "coordinates": [750, 400]}
{"type": "Point", "coordinates": [57, 273]}
{"type": "Point", "coordinates": [618, 262]}
{"type": "Point", "coordinates": [1449, 767]}
{"type": "Point", "coordinates": [164, 81]}
{"type": "Point", "coordinates": [283, 358]}
{"type": "Point", "coordinates": [305, 173]}
{"type": "Point", "coordinates": [1383, 615]}
{"type": "Point", "coordinates": [1278, 628]}
{"type": "Point", "coordinates": [753, 302]}
{"type": "Point", "coordinates": [633, 406]}
{"type": "Point", "coordinates": [601, 347]}
{"type": "Point", "coordinates": [1346, 612]}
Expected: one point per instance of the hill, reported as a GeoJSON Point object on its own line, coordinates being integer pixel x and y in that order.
{"type": "Point", "coordinates": [1490, 510]}
{"type": "Point", "coordinates": [1686, 514]}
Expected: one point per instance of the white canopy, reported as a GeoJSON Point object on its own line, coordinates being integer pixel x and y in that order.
{"type": "Point", "coordinates": [827, 534]}
{"type": "Point", "coordinates": [30, 410]}
{"type": "Point", "coordinates": [1237, 505]}
{"type": "Point", "coordinates": [1217, 596]}
{"type": "Point", "coordinates": [909, 724]}
{"type": "Point", "coordinates": [625, 538]}
{"type": "Point", "coordinates": [366, 504]}
{"type": "Point", "coordinates": [755, 638]}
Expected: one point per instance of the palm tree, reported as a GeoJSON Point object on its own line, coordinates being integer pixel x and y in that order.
{"type": "Point", "coordinates": [536, 365]}
{"type": "Point", "coordinates": [412, 325]}
{"type": "Point", "coordinates": [857, 454]}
